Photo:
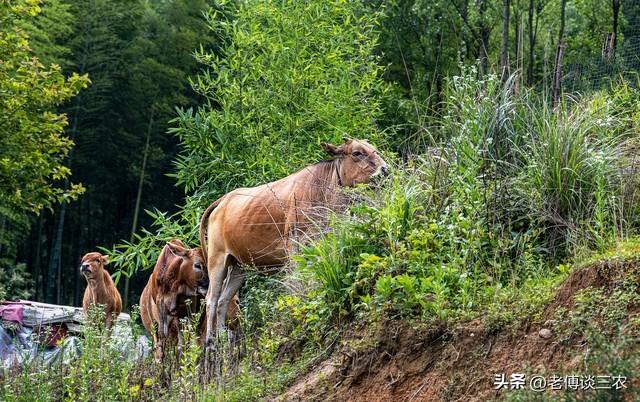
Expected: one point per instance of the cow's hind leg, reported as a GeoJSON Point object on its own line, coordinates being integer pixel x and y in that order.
{"type": "Point", "coordinates": [216, 265]}
{"type": "Point", "coordinates": [231, 286]}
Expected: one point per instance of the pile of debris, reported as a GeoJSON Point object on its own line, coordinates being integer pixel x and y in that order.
{"type": "Point", "coordinates": [48, 333]}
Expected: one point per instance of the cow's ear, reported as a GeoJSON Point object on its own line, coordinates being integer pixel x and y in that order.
{"type": "Point", "coordinates": [346, 140]}
{"type": "Point", "coordinates": [104, 259]}
{"type": "Point", "coordinates": [177, 248]}
{"type": "Point", "coordinates": [332, 149]}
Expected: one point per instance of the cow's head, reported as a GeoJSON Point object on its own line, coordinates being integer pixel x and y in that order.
{"type": "Point", "coordinates": [92, 265]}
{"type": "Point", "coordinates": [359, 161]}
{"type": "Point", "coordinates": [191, 277]}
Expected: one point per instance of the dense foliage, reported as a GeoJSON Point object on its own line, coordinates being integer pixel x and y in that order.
{"type": "Point", "coordinates": [289, 76]}
{"type": "Point", "coordinates": [511, 190]}
{"type": "Point", "coordinates": [34, 145]}
{"type": "Point", "coordinates": [140, 55]}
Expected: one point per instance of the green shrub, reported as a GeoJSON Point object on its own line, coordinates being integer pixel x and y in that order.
{"type": "Point", "coordinates": [15, 282]}
{"type": "Point", "coordinates": [572, 179]}
{"type": "Point", "coordinates": [288, 76]}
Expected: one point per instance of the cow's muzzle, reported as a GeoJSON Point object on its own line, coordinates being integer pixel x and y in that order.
{"type": "Point", "coordinates": [84, 268]}
{"type": "Point", "coordinates": [382, 173]}
{"type": "Point", "coordinates": [203, 286]}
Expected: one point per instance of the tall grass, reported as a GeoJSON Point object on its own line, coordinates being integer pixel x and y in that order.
{"type": "Point", "coordinates": [573, 177]}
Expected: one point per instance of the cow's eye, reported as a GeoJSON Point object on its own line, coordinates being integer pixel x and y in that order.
{"type": "Point", "coordinates": [98, 262]}
{"type": "Point", "coordinates": [357, 154]}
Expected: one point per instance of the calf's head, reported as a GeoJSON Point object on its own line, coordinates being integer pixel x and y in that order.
{"type": "Point", "coordinates": [359, 161]}
{"type": "Point", "coordinates": [92, 265]}
{"type": "Point", "coordinates": [187, 274]}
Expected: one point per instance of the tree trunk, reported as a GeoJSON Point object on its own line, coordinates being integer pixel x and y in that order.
{"type": "Point", "coordinates": [82, 248]}
{"type": "Point", "coordinates": [557, 75]}
{"type": "Point", "coordinates": [3, 219]}
{"type": "Point", "coordinates": [53, 272]}
{"type": "Point", "coordinates": [616, 12]}
{"type": "Point", "coordinates": [504, 53]}
{"type": "Point", "coordinates": [563, 6]}
{"type": "Point", "coordinates": [484, 37]}
{"type": "Point", "coordinates": [464, 14]}
{"type": "Point", "coordinates": [530, 62]}
{"type": "Point", "coordinates": [557, 71]}
{"type": "Point", "coordinates": [37, 262]}
{"type": "Point", "coordinates": [56, 246]}
{"type": "Point", "coordinates": [519, 50]}
{"type": "Point", "coordinates": [136, 210]}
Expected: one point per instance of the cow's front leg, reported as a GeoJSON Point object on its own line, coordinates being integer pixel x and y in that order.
{"type": "Point", "coordinates": [178, 330]}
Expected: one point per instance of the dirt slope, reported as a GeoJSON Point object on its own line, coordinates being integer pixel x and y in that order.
{"type": "Point", "coordinates": [398, 363]}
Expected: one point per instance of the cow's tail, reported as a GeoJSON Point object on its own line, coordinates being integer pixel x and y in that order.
{"type": "Point", "coordinates": [203, 226]}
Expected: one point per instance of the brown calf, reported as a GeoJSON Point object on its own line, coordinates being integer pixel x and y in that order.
{"type": "Point", "coordinates": [100, 287]}
{"type": "Point", "coordinates": [177, 278]}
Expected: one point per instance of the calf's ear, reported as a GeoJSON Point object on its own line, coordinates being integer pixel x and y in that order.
{"type": "Point", "coordinates": [331, 149]}
{"type": "Point", "coordinates": [177, 248]}
{"type": "Point", "coordinates": [104, 259]}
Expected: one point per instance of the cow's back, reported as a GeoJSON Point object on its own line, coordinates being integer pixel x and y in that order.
{"type": "Point", "coordinates": [253, 224]}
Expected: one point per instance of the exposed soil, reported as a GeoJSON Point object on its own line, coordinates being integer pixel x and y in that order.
{"type": "Point", "coordinates": [398, 363]}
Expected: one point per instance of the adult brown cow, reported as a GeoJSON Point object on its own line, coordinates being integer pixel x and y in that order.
{"type": "Point", "coordinates": [100, 287]}
{"type": "Point", "coordinates": [173, 292]}
{"type": "Point", "coordinates": [254, 225]}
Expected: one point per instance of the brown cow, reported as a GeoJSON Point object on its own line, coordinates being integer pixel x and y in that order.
{"type": "Point", "coordinates": [100, 287]}
{"type": "Point", "coordinates": [254, 225]}
{"type": "Point", "coordinates": [174, 291]}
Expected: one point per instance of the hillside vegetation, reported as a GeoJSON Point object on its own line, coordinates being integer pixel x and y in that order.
{"type": "Point", "coordinates": [447, 271]}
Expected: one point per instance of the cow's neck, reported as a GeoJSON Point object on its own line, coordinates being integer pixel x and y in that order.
{"type": "Point", "coordinates": [97, 287]}
{"type": "Point", "coordinates": [337, 164]}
